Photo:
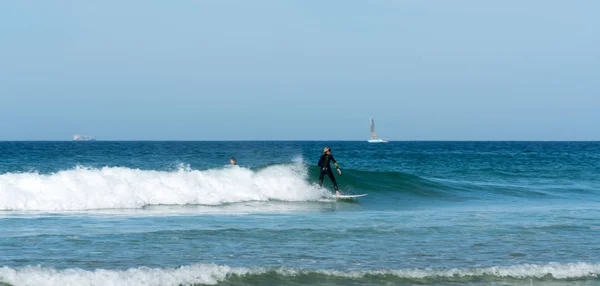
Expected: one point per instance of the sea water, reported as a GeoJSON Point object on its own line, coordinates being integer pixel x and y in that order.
{"type": "Point", "coordinates": [175, 213]}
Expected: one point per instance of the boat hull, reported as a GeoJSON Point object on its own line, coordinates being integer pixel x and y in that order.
{"type": "Point", "coordinates": [377, 141]}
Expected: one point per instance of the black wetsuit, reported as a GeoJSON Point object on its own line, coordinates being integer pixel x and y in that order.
{"type": "Point", "coordinates": [326, 169]}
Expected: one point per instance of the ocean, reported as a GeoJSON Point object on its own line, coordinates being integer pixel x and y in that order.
{"type": "Point", "coordinates": [175, 213]}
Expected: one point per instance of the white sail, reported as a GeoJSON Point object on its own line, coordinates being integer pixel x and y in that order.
{"type": "Point", "coordinates": [374, 134]}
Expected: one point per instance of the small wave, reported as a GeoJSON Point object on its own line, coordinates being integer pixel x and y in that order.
{"type": "Point", "coordinates": [83, 188]}
{"type": "Point", "coordinates": [211, 274]}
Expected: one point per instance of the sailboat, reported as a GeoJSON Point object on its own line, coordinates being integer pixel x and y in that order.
{"type": "Point", "coordinates": [374, 138]}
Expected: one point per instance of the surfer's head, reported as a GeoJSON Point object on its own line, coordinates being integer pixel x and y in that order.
{"type": "Point", "coordinates": [232, 161]}
{"type": "Point", "coordinates": [326, 149]}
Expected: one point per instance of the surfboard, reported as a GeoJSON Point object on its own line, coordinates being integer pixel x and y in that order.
{"type": "Point", "coordinates": [348, 196]}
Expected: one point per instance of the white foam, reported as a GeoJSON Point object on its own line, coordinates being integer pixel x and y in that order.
{"type": "Point", "coordinates": [212, 274]}
{"type": "Point", "coordinates": [556, 270]}
{"type": "Point", "coordinates": [120, 188]}
{"type": "Point", "coordinates": [185, 275]}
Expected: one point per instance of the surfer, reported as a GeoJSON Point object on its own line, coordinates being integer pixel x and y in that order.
{"type": "Point", "coordinates": [232, 161]}
{"type": "Point", "coordinates": [326, 168]}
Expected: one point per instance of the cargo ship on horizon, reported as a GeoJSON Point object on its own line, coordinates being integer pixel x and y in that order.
{"type": "Point", "coordinates": [78, 137]}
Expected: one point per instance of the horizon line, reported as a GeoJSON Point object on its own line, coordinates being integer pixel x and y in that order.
{"type": "Point", "coordinates": [298, 140]}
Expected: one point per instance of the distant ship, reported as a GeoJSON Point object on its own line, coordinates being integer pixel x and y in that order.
{"type": "Point", "coordinates": [78, 137]}
{"type": "Point", "coordinates": [374, 138]}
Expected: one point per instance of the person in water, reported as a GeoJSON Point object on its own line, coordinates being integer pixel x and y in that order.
{"type": "Point", "coordinates": [326, 168]}
{"type": "Point", "coordinates": [232, 161]}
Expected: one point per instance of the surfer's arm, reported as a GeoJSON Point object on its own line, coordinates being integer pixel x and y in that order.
{"type": "Point", "coordinates": [336, 165]}
{"type": "Point", "coordinates": [334, 162]}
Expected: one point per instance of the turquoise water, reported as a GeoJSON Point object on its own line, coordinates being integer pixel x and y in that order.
{"type": "Point", "coordinates": [173, 213]}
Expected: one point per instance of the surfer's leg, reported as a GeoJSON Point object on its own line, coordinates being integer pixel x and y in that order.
{"type": "Point", "coordinates": [335, 186]}
{"type": "Point", "coordinates": [321, 175]}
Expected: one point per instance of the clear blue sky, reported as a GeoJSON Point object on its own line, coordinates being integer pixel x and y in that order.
{"type": "Point", "coordinates": [307, 70]}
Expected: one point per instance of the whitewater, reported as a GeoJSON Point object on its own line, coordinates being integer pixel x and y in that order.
{"type": "Point", "coordinates": [117, 187]}
{"type": "Point", "coordinates": [211, 274]}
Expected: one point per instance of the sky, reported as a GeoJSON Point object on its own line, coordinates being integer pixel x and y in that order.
{"type": "Point", "coordinates": [299, 70]}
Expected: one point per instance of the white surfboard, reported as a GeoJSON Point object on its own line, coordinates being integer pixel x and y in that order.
{"type": "Point", "coordinates": [348, 196]}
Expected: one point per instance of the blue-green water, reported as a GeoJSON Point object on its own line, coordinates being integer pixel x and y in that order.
{"type": "Point", "coordinates": [173, 213]}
